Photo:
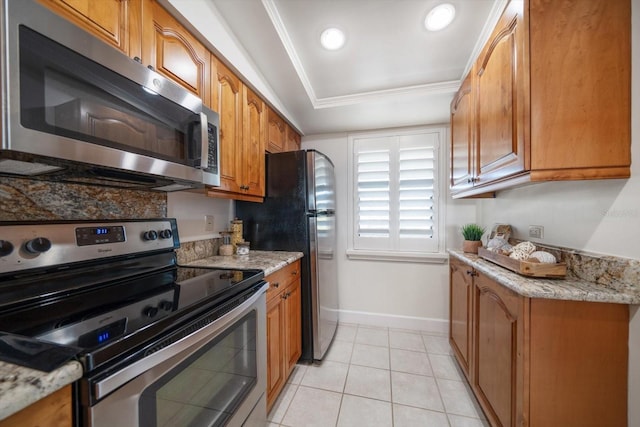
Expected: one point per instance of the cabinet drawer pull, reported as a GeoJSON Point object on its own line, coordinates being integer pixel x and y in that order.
{"type": "Point", "coordinates": [294, 273]}
{"type": "Point", "coordinates": [275, 284]}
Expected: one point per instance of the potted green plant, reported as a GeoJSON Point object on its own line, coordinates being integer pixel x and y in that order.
{"type": "Point", "coordinates": [472, 234]}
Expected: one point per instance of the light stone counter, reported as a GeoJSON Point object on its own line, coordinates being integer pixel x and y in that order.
{"type": "Point", "coordinates": [20, 386]}
{"type": "Point", "coordinates": [563, 289]}
{"type": "Point", "coordinates": [268, 261]}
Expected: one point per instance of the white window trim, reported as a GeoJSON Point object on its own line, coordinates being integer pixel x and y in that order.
{"type": "Point", "coordinates": [438, 257]}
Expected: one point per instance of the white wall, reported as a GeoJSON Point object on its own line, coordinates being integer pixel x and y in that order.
{"type": "Point", "coordinates": [595, 216]}
{"type": "Point", "coordinates": [399, 294]}
{"type": "Point", "coordinates": [189, 210]}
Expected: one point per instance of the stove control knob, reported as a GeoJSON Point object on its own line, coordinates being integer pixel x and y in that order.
{"type": "Point", "coordinates": [166, 234]}
{"type": "Point", "coordinates": [150, 235]}
{"type": "Point", "coordinates": [6, 247]}
{"type": "Point", "coordinates": [150, 311]}
{"type": "Point", "coordinates": [38, 245]}
{"type": "Point", "coordinates": [165, 305]}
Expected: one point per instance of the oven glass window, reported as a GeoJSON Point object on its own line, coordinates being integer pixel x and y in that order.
{"type": "Point", "coordinates": [64, 93]}
{"type": "Point", "coordinates": [207, 388]}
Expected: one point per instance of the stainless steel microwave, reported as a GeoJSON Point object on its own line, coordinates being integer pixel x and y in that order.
{"type": "Point", "coordinates": [76, 109]}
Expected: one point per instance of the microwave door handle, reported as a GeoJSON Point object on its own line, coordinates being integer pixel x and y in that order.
{"type": "Point", "coordinates": [204, 139]}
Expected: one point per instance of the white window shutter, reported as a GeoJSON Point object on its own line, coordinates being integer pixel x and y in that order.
{"type": "Point", "coordinates": [395, 193]}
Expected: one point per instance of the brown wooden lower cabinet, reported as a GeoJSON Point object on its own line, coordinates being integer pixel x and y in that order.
{"type": "Point", "coordinates": [540, 362]}
{"type": "Point", "coordinates": [51, 411]}
{"type": "Point", "coordinates": [284, 328]}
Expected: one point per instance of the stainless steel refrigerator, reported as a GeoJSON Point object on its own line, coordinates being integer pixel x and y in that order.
{"type": "Point", "coordinates": [298, 214]}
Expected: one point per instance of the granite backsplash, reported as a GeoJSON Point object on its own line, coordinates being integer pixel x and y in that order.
{"type": "Point", "coordinates": [33, 200]}
{"type": "Point", "coordinates": [199, 249]}
{"type": "Point", "coordinates": [622, 274]}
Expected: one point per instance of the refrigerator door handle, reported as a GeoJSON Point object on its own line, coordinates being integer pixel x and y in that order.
{"type": "Point", "coordinates": [318, 352]}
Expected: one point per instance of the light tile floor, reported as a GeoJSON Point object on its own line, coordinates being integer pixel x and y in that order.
{"type": "Point", "coordinates": [379, 377]}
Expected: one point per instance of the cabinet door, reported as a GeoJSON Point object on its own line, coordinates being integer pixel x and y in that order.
{"type": "Point", "coordinates": [227, 101]}
{"type": "Point", "coordinates": [580, 107]}
{"type": "Point", "coordinates": [276, 141]}
{"type": "Point", "coordinates": [293, 348]}
{"type": "Point", "coordinates": [254, 138]}
{"type": "Point", "coordinates": [55, 410]}
{"type": "Point", "coordinates": [461, 289]}
{"type": "Point", "coordinates": [292, 142]}
{"type": "Point", "coordinates": [498, 342]}
{"type": "Point", "coordinates": [462, 137]}
{"type": "Point", "coordinates": [275, 347]}
{"type": "Point", "coordinates": [501, 84]}
{"type": "Point", "coordinates": [116, 22]}
{"type": "Point", "coordinates": [173, 52]}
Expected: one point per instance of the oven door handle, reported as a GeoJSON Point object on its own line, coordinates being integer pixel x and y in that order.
{"type": "Point", "coordinates": [112, 382]}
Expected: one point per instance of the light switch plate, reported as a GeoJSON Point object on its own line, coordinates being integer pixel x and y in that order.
{"type": "Point", "coordinates": [208, 223]}
{"type": "Point", "coordinates": [536, 231]}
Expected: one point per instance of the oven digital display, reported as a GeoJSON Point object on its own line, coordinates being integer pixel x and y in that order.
{"type": "Point", "coordinates": [102, 335]}
{"type": "Point", "coordinates": [86, 236]}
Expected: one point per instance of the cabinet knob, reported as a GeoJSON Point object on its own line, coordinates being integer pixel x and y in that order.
{"type": "Point", "coordinates": [294, 273]}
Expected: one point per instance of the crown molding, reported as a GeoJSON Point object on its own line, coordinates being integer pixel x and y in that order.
{"type": "Point", "coordinates": [276, 20]}
{"type": "Point", "coordinates": [379, 95]}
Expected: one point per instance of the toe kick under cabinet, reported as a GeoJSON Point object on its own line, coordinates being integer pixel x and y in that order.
{"type": "Point", "coordinates": [539, 362]}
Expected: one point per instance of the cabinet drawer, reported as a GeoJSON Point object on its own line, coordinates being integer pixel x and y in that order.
{"type": "Point", "coordinates": [279, 280]}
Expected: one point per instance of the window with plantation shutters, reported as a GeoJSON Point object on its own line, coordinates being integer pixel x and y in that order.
{"type": "Point", "coordinates": [394, 191]}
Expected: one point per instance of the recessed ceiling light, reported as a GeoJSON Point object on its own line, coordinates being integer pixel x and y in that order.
{"type": "Point", "coordinates": [439, 17]}
{"type": "Point", "coordinates": [332, 39]}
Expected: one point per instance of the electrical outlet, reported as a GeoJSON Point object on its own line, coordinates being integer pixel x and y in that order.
{"type": "Point", "coordinates": [208, 223]}
{"type": "Point", "coordinates": [536, 231]}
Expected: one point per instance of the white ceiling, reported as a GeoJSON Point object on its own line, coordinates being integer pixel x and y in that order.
{"type": "Point", "coordinates": [391, 72]}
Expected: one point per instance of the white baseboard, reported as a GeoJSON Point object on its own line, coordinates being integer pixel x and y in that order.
{"type": "Point", "coordinates": [438, 326]}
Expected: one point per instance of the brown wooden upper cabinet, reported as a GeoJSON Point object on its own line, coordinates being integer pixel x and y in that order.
{"type": "Point", "coordinates": [227, 101]}
{"type": "Point", "coordinates": [254, 138]}
{"type": "Point", "coordinates": [292, 141]}
{"type": "Point", "coordinates": [116, 22]}
{"type": "Point", "coordinates": [173, 52]}
{"type": "Point", "coordinates": [462, 137]}
{"type": "Point", "coordinates": [277, 133]}
{"type": "Point", "coordinates": [551, 96]}
{"type": "Point", "coordinates": [243, 134]}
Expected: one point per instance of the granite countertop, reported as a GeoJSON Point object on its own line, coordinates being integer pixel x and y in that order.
{"type": "Point", "coordinates": [20, 386]}
{"type": "Point", "coordinates": [573, 289]}
{"type": "Point", "coordinates": [268, 261]}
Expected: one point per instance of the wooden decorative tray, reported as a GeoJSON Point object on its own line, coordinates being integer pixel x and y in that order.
{"type": "Point", "coordinates": [530, 269]}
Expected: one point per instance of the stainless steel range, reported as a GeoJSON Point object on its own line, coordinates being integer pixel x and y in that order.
{"type": "Point", "coordinates": [161, 344]}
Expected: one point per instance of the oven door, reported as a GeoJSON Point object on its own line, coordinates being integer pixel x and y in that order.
{"type": "Point", "coordinates": [214, 376]}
